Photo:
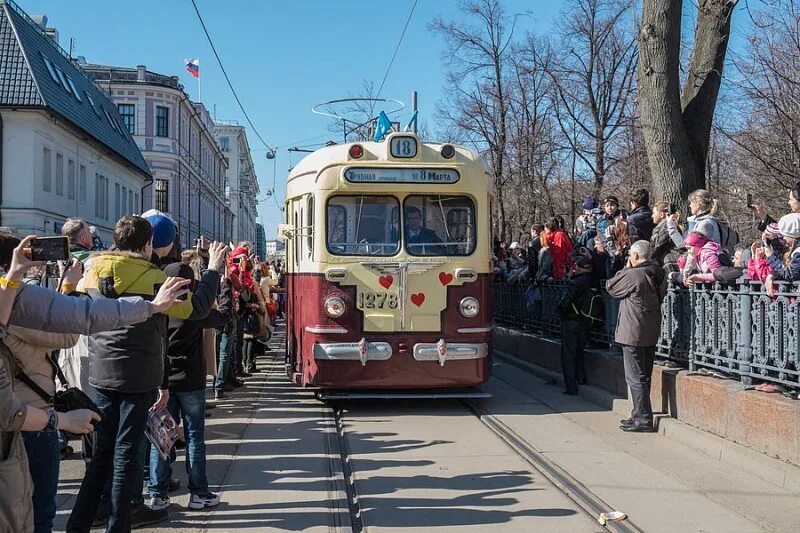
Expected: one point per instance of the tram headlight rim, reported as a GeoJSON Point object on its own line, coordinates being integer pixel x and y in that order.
{"type": "Point", "coordinates": [469, 307]}
{"type": "Point", "coordinates": [334, 306]}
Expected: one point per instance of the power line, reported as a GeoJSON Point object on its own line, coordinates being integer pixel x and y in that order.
{"type": "Point", "coordinates": [227, 79]}
{"type": "Point", "coordinates": [396, 49]}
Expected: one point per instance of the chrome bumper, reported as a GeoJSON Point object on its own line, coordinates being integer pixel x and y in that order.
{"type": "Point", "coordinates": [442, 351]}
{"type": "Point", "coordinates": [353, 351]}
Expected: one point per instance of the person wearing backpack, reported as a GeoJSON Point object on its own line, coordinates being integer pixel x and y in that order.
{"type": "Point", "coordinates": [787, 266]}
{"type": "Point", "coordinates": [575, 325]}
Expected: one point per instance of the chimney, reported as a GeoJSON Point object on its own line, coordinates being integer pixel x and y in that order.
{"type": "Point", "coordinates": [140, 72]}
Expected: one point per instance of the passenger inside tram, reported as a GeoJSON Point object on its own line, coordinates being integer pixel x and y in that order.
{"type": "Point", "coordinates": [419, 240]}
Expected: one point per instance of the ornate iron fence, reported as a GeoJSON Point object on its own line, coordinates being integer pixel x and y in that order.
{"type": "Point", "coordinates": [737, 330]}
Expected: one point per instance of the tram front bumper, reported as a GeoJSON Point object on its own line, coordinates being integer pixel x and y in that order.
{"type": "Point", "coordinates": [381, 351]}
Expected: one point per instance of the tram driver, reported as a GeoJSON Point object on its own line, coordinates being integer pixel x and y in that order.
{"type": "Point", "coordinates": [419, 240]}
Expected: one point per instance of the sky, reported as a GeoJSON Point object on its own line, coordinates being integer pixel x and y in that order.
{"type": "Point", "coordinates": [283, 57]}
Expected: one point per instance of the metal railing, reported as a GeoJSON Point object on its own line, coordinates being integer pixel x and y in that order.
{"type": "Point", "coordinates": [737, 330]}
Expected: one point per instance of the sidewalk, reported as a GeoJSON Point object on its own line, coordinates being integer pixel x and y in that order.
{"type": "Point", "coordinates": [662, 485]}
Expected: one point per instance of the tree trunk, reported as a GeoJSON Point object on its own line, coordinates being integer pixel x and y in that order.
{"type": "Point", "coordinates": [599, 160]}
{"type": "Point", "coordinates": [703, 79]}
{"type": "Point", "coordinates": [501, 213]}
{"type": "Point", "coordinates": [677, 127]}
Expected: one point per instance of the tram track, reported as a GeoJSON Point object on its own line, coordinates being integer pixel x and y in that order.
{"type": "Point", "coordinates": [342, 474]}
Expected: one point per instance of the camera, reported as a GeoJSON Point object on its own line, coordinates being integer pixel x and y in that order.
{"type": "Point", "coordinates": [672, 209]}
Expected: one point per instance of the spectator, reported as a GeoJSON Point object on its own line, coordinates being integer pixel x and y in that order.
{"type": "Point", "coordinates": [764, 220]}
{"type": "Point", "coordinates": [610, 215]}
{"type": "Point", "coordinates": [534, 248]}
{"type": "Point", "coordinates": [128, 373]}
{"type": "Point", "coordinates": [704, 218]}
{"type": "Point", "coordinates": [187, 381]}
{"type": "Point", "coordinates": [80, 238]}
{"type": "Point", "coordinates": [226, 381]}
{"type": "Point", "coordinates": [585, 220]}
{"type": "Point", "coordinates": [702, 261]}
{"type": "Point", "coordinates": [560, 246]}
{"type": "Point", "coordinates": [785, 267]}
{"type": "Point", "coordinates": [574, 325]}
{"type": "Point", "coordinates": [758, 268]}
{"type": "Point", "coordinates": [640, 220]}
{"type": "Point", "coordinates": [641, 286]}
{"type": "Point", "coordinates": [661, 241]}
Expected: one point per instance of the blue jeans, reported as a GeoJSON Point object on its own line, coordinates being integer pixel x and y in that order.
{"type": "Point", "coordinates": [119, 436]}
{"type": "Point", "coordinates": [224, 349]}
{"type": "Point", "coordinates": [44, 459]}
{"type": "Point", "coordinates": [192, 406]}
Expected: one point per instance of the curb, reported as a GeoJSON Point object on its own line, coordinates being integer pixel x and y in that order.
{"type": "Point", "coordinates": [771, 470]}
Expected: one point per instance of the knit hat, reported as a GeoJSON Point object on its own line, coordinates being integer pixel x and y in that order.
{"type": "Point", "coordinates": [773, 231]}
{"type": "Point", "coordinates": [696, 239]}
{"type": "Point", "coordinates": [163, 230]}
{"type": "Point", "coordinates": [613, 199]}
{"type": "Point", "coordinates": [790, 225]}
{"type": "Point", "coordinates": [589, 203]}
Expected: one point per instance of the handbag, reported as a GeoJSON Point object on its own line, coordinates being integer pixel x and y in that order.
{"type": "Point", "coordinates": [69, 399]}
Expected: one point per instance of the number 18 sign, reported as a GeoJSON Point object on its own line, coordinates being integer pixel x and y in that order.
{"type": "Point", "coordinates": [404, 147]}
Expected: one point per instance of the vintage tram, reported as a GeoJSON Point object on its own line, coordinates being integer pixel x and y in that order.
{"type": "Point", "coordinates": [389, 273]}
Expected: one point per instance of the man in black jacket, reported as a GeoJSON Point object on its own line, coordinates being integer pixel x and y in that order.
{"type": "Point", "coordinates": [640, 220]}
{"type": "Point", "coordinates": [574, 326]}
{"type": "Point", "coordinates": [419, 240]}
{"type": "Point", "coordinates": [534, 247]}
{"type": "Point", "coordinates": [187, 382]}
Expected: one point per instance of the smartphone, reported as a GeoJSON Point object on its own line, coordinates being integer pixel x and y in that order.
{"type": "Point", "coordinates": [749, 200]}
{"type": "Point", "coordinates": [50, 249]}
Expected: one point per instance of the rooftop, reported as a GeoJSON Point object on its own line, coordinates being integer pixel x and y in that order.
{"type": "Point", "coordinates": [36, 73]}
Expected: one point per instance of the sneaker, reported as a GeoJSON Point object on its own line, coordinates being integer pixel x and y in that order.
{"type": "Point", "coordinates": [197, 502]}
{"type": "Point", "coordinates": [219, 395]}
{"type": "Point", "coordinates": [142, 516]}
{"type": "Point", "coordinates": [157, 504]}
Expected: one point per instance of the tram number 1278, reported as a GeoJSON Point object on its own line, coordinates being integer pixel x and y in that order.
{"type": "Point", "coordinates": [377, 300]}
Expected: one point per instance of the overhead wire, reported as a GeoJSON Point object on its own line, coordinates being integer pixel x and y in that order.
{"type": "Point", "coordinates": [227, 78]}
{"type": "Point", "coordinates": [396, 49]}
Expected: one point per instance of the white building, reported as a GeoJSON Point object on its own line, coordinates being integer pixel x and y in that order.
{"type": "Point", "coordinates": [175, 137]}
{"type": "Point", "coordinates": [241, 186]}
{"type": "Point", "coordinates": [64, 149]}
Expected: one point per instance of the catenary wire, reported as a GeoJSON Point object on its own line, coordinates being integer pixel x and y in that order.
{"type": "Point", "coordinates": [227, 78]}
{"type": "Point", "coordinates": [396, 49]}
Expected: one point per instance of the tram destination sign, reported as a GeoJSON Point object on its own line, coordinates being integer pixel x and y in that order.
{"type": "Point", "coordinates": [401, 175]}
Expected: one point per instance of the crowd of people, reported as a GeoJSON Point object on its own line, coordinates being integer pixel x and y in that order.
{"type": "Point", "coordinates": [633, 251]}
{"type": "Point", "coordinates": [121, 335]}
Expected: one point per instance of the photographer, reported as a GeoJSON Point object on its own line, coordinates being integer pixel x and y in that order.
{"type": "Point", "coordinates": [664, 245]}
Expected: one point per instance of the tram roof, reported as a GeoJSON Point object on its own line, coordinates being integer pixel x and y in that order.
{"type": "Point", "coordinates": [376, 152]}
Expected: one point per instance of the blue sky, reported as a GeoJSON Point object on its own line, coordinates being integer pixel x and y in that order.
{"type": "Point", "coordinates": [282, 56]}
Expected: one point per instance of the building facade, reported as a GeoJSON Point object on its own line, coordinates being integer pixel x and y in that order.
{"type": "Point", "coordinates": [241, 186]}
{"type": "Point", "coordinates": [175, 137]}
{"type": "Point", "coordinates": [64, 150]}
{"type": "Point", "coordinates": [261, 242]}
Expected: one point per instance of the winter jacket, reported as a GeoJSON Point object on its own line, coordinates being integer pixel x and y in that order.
{"type": "Point", "coordinates": [642, 289]}
{"type": "Point", "coordinates": [708, 225]}
{"type": "Point", "coordinates": [560, 248]}
{"type": "Point", "coordinates": [533, 256]}
{"type": "Point", "coordinates": [707, 262]}
{"type": "Point", "coordinates": [13, 408]}
{"type": "Point", "coordinates": [130, 359]}
{"type": "Point", "coordinates": [576, 288]}
{"type": "Point", "coordinates": [640, 224]}
{"type": "Point", "coordinates": [187, 365]}
{"type": "Point", "coordinates": [661, 242]}
{"type": "Point", "coordinates": [31, 349]}
{"type": "Point", "coordinates": [758, 269]}
{"type": "Point", "coordinates": [782, 272]}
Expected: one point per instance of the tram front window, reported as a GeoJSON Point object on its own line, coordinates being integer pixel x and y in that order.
{"type": "Point", "coordinates": [363, 225]}
{"type": "Point", "coordinates": [439, 225]}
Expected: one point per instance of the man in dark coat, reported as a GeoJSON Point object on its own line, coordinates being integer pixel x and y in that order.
{"type": "Point", "coordinates": [574, 326]}
{"type": "Point", "coordinates": [641, 287]}
{"type": "Point", "coordinates": [419, 240]}
{"type": "Point", "coordinates": [640, 220]}
{"type": "Point", "coordinates": [534, 247]}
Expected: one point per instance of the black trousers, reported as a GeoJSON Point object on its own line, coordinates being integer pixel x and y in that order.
{"type": "Point", "coordinates": [638, 372]}
{"type": "Point", "coordinates": [574, 334]}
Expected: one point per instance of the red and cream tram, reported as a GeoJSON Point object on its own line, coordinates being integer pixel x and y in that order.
{"type": "Point", "coordinates": [389, 272]}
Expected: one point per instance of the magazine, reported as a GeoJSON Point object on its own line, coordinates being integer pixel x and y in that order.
{"type": "Point", "coordinates": [162, 431]}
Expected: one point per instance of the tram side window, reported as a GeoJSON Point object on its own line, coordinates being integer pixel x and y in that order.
{"type": "Point", "coordinates": [439, 225]}
{"type": "Point", "coordinates": [362, 225]}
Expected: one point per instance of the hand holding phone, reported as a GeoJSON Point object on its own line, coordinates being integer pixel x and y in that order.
{"type": "Point", "coordinates": [48, 249]}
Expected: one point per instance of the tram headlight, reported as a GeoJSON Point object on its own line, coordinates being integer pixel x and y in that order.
{"type": "Point", "coordinates": [469, 307]}
{"type": "Point", "coordinates": [448, 151]}
{"type": "Point", "coordinates": [334, 306]}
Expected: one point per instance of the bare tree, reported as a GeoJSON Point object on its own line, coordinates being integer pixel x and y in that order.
{"type": "Point", "coordinates": [677, 124]}
{"type": "Point", "coordinates": [477, 58]}
{"type": "Point", "coordinates": [594, 80]}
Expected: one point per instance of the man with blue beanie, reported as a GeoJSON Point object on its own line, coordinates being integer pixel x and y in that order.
{"type": "Point", "coordinates": [164, 232]}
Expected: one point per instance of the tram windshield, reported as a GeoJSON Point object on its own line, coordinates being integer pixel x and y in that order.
{"type": "Point", "coordinates": [439, 225]}
{"type": "Point", "coordinates": [433, 225]}
{"type": "Point", "coordinates": [363, 225]}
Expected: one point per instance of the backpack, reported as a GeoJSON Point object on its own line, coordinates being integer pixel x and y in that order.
{"type": "Point", "coordinates": [252, 325]}
{"type": "Point", "coordinates": [590, 306]}
{"type": "Point", "coordinates": [728, 237]}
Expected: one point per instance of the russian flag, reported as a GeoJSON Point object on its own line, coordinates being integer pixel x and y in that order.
{"type": "Point", "coordinates": [193, 66]}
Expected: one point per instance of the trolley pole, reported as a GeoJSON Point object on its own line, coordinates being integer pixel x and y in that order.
{"type": "Point", "coordinates": [414, 108]}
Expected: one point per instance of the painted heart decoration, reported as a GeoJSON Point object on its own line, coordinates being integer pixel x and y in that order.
{"type": "Point", "coordinates": [445, 278]}
{"type": "Point", "coordinates": [418, 299]}
{"type": "Point", "coordinates": [386, 281]}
